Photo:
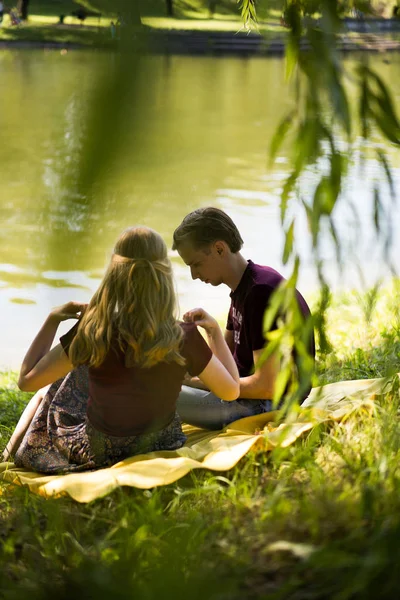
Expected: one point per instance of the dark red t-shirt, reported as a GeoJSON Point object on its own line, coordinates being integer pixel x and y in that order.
{"type": "Point", "coordinates": [248, 304]}
{"type": "Point", "coordinates": [131, 401]}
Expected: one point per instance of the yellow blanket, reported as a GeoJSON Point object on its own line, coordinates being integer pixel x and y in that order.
{"type": "Point", "coordinates": [218, 451]}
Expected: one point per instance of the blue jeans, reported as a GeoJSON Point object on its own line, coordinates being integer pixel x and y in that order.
{"type": "Point", "coordinates": [203, 409]}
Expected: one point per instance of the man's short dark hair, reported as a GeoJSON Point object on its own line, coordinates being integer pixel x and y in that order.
{"type": "Point", "coordinates": [205, 226]}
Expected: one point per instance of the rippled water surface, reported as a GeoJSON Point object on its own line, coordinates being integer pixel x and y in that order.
{"type": "Point", "coordinates": [205, 128]}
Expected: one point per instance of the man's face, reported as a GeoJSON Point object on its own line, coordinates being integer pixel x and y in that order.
{"type": "Point", "coordinates": [206, 264]}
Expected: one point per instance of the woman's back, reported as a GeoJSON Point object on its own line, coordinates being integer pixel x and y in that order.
{"type": "Point", "coordinates": [125, 401]}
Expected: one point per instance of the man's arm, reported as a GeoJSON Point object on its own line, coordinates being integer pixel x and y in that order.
{"type": "Point", "coordinates": [228, 335]}
{"type": "Point", "coordinates": [258, 386]}
{"type": "Point", "coordinates": [261, 384]}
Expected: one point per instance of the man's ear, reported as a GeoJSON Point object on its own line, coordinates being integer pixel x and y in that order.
{"type": "Point", "coordinates": [220, 247]}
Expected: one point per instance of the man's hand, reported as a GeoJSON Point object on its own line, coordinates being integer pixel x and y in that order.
{"type": "Point", "coordinates": [70, 310]}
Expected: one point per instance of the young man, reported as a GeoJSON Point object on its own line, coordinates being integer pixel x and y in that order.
{"type": "Point", "coordinates": [209, 243]}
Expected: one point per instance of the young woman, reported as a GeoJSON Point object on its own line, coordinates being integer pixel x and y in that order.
{"type": "Point", "coordinates": [119, 370]}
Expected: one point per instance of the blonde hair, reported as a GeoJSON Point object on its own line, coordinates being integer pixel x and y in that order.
{"type": "Point", "coordinates": [134, 305]}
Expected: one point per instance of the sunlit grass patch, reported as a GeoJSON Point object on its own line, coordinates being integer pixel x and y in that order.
{"type": "Point", "coordinates": [69, 20]}
{"type": "Point", "coordinates": [364, 329]}
{"type": "Point", "coordinates": [193, 24]}
{"type": "Point", "coordinates": [233, 24]}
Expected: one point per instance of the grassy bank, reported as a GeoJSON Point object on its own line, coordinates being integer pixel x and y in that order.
{"type": "Point", "coordinates": [320, 519]}
{"type": "Point", "coordinates": [43, 24]}
{"type": "Point", "coordinates": [44, 28]}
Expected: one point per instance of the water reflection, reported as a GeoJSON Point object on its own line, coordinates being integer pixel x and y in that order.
{"type": "Point", "coordinates": [207, 125]}
{"type": "Point", "coordinates": [23, 279]}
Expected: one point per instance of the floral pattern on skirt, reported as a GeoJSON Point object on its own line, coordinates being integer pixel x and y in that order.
{"type": "Point", "coordinates": [60, 439]}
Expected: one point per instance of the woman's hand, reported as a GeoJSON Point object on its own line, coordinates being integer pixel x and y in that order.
{"type": "Point", "coordinates": [41, 365]}
{"type": "Point", "coordinates": [70, 310]}
{"type": "Point", "coordinates": [201, 318]}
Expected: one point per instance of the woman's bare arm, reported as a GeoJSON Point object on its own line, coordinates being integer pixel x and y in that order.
{"type": "Point", "coordinates": [41, 365]}
{"type": "Point", "coordinates": [220, 375]}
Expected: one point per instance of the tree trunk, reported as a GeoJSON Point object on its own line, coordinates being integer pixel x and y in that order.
{"type": "Point", "coordinates": [129, 12]}
{"type": "Point", "coordinates": [133, 15]}
{"type": "Point", "coordinates": [23, 6]}
{"type": "Point", "coordinates": [170, 8]}
{"type": "Point", "coordinates": [212, 6]}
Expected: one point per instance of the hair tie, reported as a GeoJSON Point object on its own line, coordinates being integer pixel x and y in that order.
{"type": "Point", "coordinates": [160, 265]}
{"type": "Point", "coordinates": [125, 260]}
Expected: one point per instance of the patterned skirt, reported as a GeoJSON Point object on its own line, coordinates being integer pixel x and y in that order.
{"type": "Point", "coordinates": [60, 439]}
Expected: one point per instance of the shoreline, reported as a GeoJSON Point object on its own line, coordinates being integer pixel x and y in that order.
{"type": "Point", "coordinates": [214, 43]}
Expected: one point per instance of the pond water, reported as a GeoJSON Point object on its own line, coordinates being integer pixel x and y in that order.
{"type": "Point", "coordinates": [205, 128]}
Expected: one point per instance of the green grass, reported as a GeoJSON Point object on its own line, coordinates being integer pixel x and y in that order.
{"type": "Point", "coordinates": [320, 519]}
{"type": "Point", "coordinates": [12, 403]}
{"type": "Point", "coordinates": [44, 34]}
{"type": "Point", "coordinates": [42, 26]}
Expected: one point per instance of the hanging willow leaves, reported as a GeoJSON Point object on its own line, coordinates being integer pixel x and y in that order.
{"type": "Point", "coordinates": [377, 210]}
{"type": "Point", "coordinates": [280, 135]}
{"type": "Point", "coordinates": [386, 167]}
{"type": "Point", "coordinates": [364, 103]}
{"type": "Point", "coordinates": [322, 115]}
{"type": "Point", "coordinates": [286, 192]}
{"type": "Point", "coordinates": [336, 242]}
{"type": "Point", "coordinates": [248, 13]}
{"type": "Point", "coordinates": [288, 249]}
